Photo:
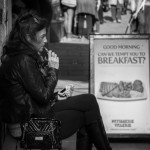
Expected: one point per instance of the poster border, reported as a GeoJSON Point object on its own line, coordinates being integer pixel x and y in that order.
{"type": "Point", "coordinates": [92, 79]}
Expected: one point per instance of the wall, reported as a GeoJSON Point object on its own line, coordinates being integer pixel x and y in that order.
{"type": "Point", "coordinates": [5, 21]}
{"type": "Point", "coordinates": [2, 33]}
{"type": "Point", "coordinates": [74, 60]}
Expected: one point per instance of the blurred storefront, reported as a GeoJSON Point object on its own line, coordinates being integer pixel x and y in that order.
{"type": "Point", "coordinates": [5, 27]}
{"type": "Point", "coordinates": [10, 9]}
{"type": "Point", "coordinates": [5, 20]}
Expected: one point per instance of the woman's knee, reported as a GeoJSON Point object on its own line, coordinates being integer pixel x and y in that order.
{"type": "Point", "coordinates": [88, 96]}
{"type": "Point", "coordinates": [91, 98]}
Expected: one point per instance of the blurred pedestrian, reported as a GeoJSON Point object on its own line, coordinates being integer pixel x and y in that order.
{"type": "Point", "coordinates": [100, 12]}
{"type": "Point", "coordinates": [57, 14]}
{"type": "Point", "coordinates": [87, 16]}
{"type": "Point", "coordinates": [134, 22]}
{"type": "Point", "coordinates": [125, 7]}
{"type": "Point", "coordinates": [142, 13]}
{"type": "Point", "coordinates": [68, 9]}
{"type": "Point", "coordinates": [96, 28]}
{"type": "Point", "coordinates": [104, 7]}
{"type": "Point", "coordinates": [116, 8]}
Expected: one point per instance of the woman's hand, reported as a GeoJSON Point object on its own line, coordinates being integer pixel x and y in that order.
{"type": "Point", "coordinates": [69, 90]}
{"type": "Point", "coordinates": [53, 60]}
{"type": "Point", "coordinates": [66, 92]}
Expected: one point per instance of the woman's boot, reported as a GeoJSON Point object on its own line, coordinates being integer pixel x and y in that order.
{"type": "Point", "coordinates": [103, 132]}
{"type": "Point", "coordinates": [98, 135]}
{"type": "Point", "coordinates": [83, 141]}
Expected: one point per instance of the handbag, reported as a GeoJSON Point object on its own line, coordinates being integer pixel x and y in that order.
{"type": "Point", "coordinates": [69, 3]}
{"type": "Point", "coordinates": [41, 133]}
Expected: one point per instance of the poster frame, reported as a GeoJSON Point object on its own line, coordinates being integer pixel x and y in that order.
{"type": "Point", "coordinates": [92, 71]}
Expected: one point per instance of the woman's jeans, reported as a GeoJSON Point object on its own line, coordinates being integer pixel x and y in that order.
{"type": "Point", "coordinates": [76, 112]}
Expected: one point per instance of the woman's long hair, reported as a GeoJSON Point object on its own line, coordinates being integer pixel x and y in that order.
{"type": "Point", "coordinates": [26, 24]}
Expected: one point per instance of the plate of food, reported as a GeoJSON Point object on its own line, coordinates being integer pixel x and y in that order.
{"type": "Point", "coordinates": [122, 90]}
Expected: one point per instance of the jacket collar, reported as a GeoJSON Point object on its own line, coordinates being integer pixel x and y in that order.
{"type": "Point", "coordinates": [23, 50]}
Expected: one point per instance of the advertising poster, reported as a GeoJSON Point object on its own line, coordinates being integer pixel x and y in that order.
{"type": "Point", "coordinates": [119, 66]}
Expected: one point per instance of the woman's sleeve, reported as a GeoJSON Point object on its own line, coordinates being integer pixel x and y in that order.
{"type": "Point", "coordinates": [34, 83]}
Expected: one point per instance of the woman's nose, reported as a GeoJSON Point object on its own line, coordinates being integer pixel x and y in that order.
{"type": "Point", "coordinates": [45, 40]}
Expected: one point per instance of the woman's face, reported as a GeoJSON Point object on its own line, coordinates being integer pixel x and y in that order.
{"type": "Point", "coordinates": [40, 40]}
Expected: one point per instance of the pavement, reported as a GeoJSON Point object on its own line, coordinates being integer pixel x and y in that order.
{"type": "Point", "coordinates": [108, 27]}
{"type": "Point", "coordinates": [114, 28]}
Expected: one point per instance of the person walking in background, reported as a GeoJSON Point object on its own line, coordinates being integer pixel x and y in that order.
{"type": "Point", "coordinates": [104, 7]}
{"type": "Point", "coordinates": [134, 22]}
{"type": "Point", "coordinates": [96, 28]}
{"type": "Point", "coordinates": [87, 15]}
{"type": "Point", "coordinates": [116, 9]}
{"type": "Point", "coordinates": [125, 7]}
{"type": "Point", "coordinates": [57, 13]}
{"type": "Point", "coordinates": [100, 12]}
{"type": "Point", "coordinates": [142, 13]}
{"type": "Point", "coordinates": [68, 9]}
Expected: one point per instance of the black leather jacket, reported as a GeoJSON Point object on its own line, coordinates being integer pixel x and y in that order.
{"type": "Point", "coordinates": [26, 85]}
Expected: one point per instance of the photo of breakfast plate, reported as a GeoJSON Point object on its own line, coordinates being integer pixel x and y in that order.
{"type": "Point", "coordinates": [122, 90]}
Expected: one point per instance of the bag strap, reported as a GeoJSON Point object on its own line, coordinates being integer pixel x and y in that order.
{"type": "Point", "coordinates": [23, 126]}
{"type": "Point", "coordinates": [16, 145]}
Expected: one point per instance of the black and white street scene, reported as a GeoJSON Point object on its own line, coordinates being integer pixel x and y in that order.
{"type": "Point", "coordinates": [75, 74]}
